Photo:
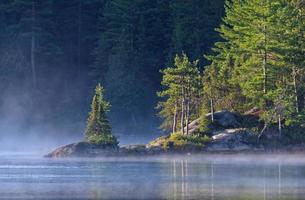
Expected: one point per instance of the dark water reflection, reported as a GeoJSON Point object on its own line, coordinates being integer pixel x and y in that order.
{"type": "Point", "coordinates": [190, 177]}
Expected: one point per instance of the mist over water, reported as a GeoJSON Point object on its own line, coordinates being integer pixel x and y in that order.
{"type": "Point", "coordinates": [25, 174]}
{"type": "Point", "coordinates": [185, 177]}
{"type": "Point", "coordinates": [27, 126]}
{"type": "Point", "coordinates": [23, 129]}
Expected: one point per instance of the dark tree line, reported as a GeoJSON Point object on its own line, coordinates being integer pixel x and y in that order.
{"type": "Point", "coordinates": [258, 64]}
{"type": "Point", "coordinates": [53, 52]}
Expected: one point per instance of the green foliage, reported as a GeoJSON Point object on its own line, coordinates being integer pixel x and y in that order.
{"type": "Point", "coordinates": [177, 141]}
{"type": "Point", "coordinates": [137, 39]}
{"type": "Point", "coordinates": [194, 139]}
{"type": "Point", "coordinates": [193, 23]}
{"type": "Point", "coordinates": [98, 127]}
{"type": "Point", "coordinates": [205, 122]}
{"type": "Point", "coordinates": [297, 120]}
{"type": "Point", "coordinates": [259, 62]}
{"type": "Point", "coordinates": [122, 44]}
{"type": "Point", "coordinates": [102, 139]}
{"type": "Point", "coordinates": [182, 86]}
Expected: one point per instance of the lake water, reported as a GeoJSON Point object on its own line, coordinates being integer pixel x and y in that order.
{"type": "Point", "coordinates": [189, 177]}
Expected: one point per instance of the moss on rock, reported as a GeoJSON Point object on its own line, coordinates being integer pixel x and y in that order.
{"type": "Point", "coordinates": [179, 142]}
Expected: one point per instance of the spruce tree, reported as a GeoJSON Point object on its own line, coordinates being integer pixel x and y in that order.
{"type": "Point", "coordinates": [98, 127]}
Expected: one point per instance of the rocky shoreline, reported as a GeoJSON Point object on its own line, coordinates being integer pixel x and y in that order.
{"type": "Point", "coordinates": [227, 141]}
{"type": "Point", "coordinates": [85, 150]}
{"type": "Point", "coordinates": [230, 133]}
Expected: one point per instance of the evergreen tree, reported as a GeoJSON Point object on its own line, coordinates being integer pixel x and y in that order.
{"type": "Point", "coordinates": [48, 48]}
{"type": "Point", "coordinates": [136, 40]}
{"type": "Point", "coordinates": [182, 93]}
{"type": "Point", "coordinates": [193, 23]}
{"type": "Point", "coordinates": [259, 60]}
{"type": "Point", "coordinates": [98, 127]}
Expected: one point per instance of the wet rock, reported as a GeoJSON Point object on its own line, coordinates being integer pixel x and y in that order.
{"type": "Point", "coordinates": [83, 149]}
{"type": "Point", "coordinates": [222, 120]}
{"type": "Point", "coordinates": [193, 126]}
{"type": "Point", "coordinates": [231, 140]}
{"type": "Point", "coordinates": [253, 111]}
{"type": "Point", "coordinates": [154, 150]}
{"type": "Point", "coordinates": [133, 149]}
{"type": "Point", "coordinates": [226, 119]}
{"type": "Point", "coordinates": [141, 149]}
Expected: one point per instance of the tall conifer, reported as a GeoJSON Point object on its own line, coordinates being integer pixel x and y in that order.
{"type": "Point", "coordinates": [98, 127]}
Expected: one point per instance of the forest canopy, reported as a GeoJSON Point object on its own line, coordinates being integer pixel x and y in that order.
{"type": "Point", "coordinates": [54, 52]}
{"type": "Point", "coordinates": [258, 64]}
{"type": "Point", "coordinates": [212, 54]}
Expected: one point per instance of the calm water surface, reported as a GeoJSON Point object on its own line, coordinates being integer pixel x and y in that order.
{"type": "Point", "coordinates": [189, 177]}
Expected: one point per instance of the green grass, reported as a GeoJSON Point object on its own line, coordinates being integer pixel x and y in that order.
{"type": "Point", "coordinates": [177, 141]}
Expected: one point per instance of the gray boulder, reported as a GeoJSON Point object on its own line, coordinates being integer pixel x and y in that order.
{"type": "Point", "coordinates": [231, 140]}
{"type": "Point", "coordinates": [193, 126]}
{"type": "Point", "coordinates": [83, 149]}
{"type": "Point", "coordinates": [133, 149]}
{"type": "Point", "coordinates": [226, 119]}
{"type": "Point", "coordinates": [141, 149]}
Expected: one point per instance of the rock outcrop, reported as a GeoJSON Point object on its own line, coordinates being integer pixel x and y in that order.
{"type": "Point", "coordinates": [84, 149]}
{"type": "Point", "coordinates": [226, 119]}
{"type": "Point", "coordinates": [193, 126]}
{"type": "Point", "coordinates": [232, 140]}
{"type": "Point", "coordinates": [141, 150]}
{"type": "Point", "coordinates": [226, 135]}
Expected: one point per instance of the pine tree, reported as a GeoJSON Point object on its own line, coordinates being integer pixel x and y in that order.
{"type": "Point", "coordinates": [291, 48]}
{"type": "Point", "coordinates": [182, 93]}
{"type": "Point", "coordinates": [137, 39]}
{"type": "Point", "coordinates": [98, 127]}
{"type": "Point", "coordinates": [259, 59]}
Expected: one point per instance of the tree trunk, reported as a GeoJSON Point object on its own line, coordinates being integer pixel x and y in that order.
{"type": "Point", "coordinates": [294, 74]}
{"type": "Point", "coordinates": [33, 44]}
{"type": "Point", "coordinates": [175, 119]}
{"type": "Point", "coordinates": [212, 109]}
{"type": "Point", "coordinates": [265, 61]}
{"type": "Point", "coordinates": [263, 130]}
{"type": "Point", "coordinates": [182, 111]}
{"type": "Point", "coordinates": [187, 121]}
{"type": "Point", "coordinates": [280, 125]}
{"type": "Point", "coordinates": [265, 71]}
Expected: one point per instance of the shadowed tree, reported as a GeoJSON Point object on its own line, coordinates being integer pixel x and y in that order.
{"type": "Point", "coordinates": [98, 127]}
{"type": "Point", "coordinates": [182, 85]}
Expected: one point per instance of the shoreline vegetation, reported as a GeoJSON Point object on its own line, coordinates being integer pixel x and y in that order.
{"type": "Point", "coordinates": [231, 133]}
{"type": "Point", "coordinates": [248, 98]}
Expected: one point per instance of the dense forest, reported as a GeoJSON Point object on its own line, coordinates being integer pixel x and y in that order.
{"type": "Point", "coordinates": [254, 78]}
{"type": "Point", "coordinates": [258, 64]}
{"type": "Point", "coordinates": [54, 52]}
{"type": "Point", "coordinates": [181, 59]}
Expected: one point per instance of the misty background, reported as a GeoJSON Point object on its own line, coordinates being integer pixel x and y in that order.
{"type": "Point", "coordinates": [54, 52]}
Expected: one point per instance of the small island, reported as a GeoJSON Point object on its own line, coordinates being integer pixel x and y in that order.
{"type": "Point", "coordinates": [229, 133]}
{"type": "Point", "coordinates": [152, 99]}
{"type": "Point", "coordinates": [216, 132]}
{"type": "Point", "coordinates": [246, 95]}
